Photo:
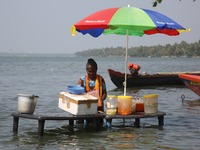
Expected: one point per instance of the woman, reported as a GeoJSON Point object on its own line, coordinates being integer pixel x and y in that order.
{"type": "Point", "coordinates": [92, 82]}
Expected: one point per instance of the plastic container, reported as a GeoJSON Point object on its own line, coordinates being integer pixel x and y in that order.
{"type": "Point", "coordinates": [73, 89]}
{"type": "Point", "coordinates": [27, 103]}
{"type": "Point", "coordinates": [137, 105]}
{"type": "Point", "coordinates": [133, 105]}
{"type": "Point", "coordinates": [83, 104]}
{"type": "Point", "coordinates": [94, 93]}
{"type": "Point", "coordinates": [150, 103]}
{"type": "Point", "coordinates": [112, 104]}
{"type": "Point", "coordinates": [124, 105]}
{"type": "Point", "coordinates": [112, 101]}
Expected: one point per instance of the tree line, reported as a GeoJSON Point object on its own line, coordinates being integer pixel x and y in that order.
{"type": "Point", "coordinates": [179, 50]}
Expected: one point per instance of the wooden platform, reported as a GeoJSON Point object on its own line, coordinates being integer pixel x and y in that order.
{"type": "Point", "coordinates": [97, 117]}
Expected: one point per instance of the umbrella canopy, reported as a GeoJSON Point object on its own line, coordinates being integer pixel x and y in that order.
{"type": "Point", "coordinates": [118, 20]}
{"type": "Point", "coordinates": [127, 21]}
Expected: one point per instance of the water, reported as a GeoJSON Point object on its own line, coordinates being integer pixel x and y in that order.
{"type": "Point", "coordinates": [47, 77]}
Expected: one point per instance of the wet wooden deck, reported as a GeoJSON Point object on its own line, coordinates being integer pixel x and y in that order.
{"type": "Point", "coordinates": [97, 117]}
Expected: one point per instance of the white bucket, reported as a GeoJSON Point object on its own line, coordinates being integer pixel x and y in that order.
{"type": "Point", "coordinates": [27, 103]}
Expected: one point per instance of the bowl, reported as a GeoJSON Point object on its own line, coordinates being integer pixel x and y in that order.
{"type": "Point", "coordinates": [73, 89]}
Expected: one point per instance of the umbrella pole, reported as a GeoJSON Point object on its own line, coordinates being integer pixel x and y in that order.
{"type": "Point", "coordinates": [126, 64]}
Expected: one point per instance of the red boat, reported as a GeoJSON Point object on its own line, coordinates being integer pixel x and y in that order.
{"type": "Point", "coordinates": [158, 79]}
{"type": "Point", "coordinates": [192, 82]}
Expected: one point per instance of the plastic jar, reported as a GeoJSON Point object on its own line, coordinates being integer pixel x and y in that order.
{"type": "Point", "coordinates": [150, 103]}
{"type": "Point", "coordinates": [124, 105]}
{"type": "Point", "coordinates": [137, 105]}
{"type": "Point", "coordinates": [112, 101]}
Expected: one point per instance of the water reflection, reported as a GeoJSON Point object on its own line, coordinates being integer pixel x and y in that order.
{"type": "Point", "coordinates": [131, 138]}
{"type": "Point", "coordinates": [192, 103]}
{"type": "Point", "coordinates": [67, 137]}
{"type": "Point", "coordinates": [192, 106]}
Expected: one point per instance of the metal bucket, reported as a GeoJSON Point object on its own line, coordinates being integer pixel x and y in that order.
{"type": "Point", "coordinates": [27, 103]}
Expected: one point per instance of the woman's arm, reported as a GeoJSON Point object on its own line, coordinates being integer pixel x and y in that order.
{"type": "Point", "coordinates": [104, 92]}
{"type": "Point", "coordinates": [80, 82]}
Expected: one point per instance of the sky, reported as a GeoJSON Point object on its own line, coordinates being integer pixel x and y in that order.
{"type": "Point", "coordinates": [44, 26]}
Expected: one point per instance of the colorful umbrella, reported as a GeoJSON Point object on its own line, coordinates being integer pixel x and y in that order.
{"type": "Point", "coordinates": [127, 21]}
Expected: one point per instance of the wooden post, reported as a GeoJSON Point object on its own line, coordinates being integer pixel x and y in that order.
{"type": "Point", "coordinates": [123, 122]}
{"type": "Point", "coordinates": [137, 120]}
{"type": "Point", "coordinates": [71, 122]}
{"type": "Point", "coordinates": [40, 127]}
{"type": "Point", "coordinates": [15, 124]}
{"type": "Point", "coordinates": [161, 120]}
{"type": "Point", "coordinates": [98, 123]}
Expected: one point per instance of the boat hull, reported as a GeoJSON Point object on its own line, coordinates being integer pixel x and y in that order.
{"type": "Point", "coordinates": [144, 80]}
{"type": "Point", "coordinates": [192, 82]}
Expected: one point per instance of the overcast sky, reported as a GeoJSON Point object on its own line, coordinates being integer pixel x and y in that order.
{"type": "Point", "coordinates": [43, 26]}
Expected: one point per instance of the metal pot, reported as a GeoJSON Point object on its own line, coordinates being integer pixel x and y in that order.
{"type": "Point", "coordinates": [27, 103]}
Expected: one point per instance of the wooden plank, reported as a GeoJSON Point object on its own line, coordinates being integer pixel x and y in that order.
{"type": "Point", "coordinates": [57, 116]}
{"type": "Point", "coordinates": [73, 117]}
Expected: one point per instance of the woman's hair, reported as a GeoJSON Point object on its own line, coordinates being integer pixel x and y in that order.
{"type": "Point", "coordinates": [91, 62]}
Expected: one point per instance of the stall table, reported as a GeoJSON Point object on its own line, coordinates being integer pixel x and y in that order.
{"type": "Point", "coordinates": [97, 117]}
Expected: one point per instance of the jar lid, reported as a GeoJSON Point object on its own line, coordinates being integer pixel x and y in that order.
{"type": "Point", "coordinates": [153, 95]}
{"type": "Point", "coordinates": [125, 97]}
{"type": "Point", "coordinates": [112, 96]}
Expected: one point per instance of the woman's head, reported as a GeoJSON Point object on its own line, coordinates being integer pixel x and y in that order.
{"type": "Point", "coordinates": [91, 68]}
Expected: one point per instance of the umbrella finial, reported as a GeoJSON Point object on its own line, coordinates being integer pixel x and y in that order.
{"type": "Point", "coordinates": [129, 5]}
{"type": "Point", "coordinates": [73, 30]}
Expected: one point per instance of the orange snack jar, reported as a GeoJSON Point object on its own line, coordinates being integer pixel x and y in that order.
{"type": "Point", "coordinates": [124, 105]}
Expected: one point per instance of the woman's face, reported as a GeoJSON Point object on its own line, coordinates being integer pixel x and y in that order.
{"type": "Point", "coordinates": [91, 71]}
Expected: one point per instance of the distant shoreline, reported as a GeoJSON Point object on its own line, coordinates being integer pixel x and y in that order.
{"type": "Point", "coordinates": [35, 55]}
{"type": "Point", "coordinates": [73, 55]}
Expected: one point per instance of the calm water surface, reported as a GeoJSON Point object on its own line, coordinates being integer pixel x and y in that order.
{"type": "Point", "coordinates": [47, 77]}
